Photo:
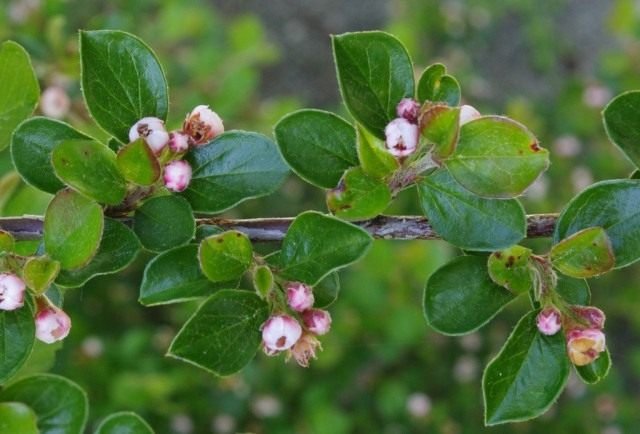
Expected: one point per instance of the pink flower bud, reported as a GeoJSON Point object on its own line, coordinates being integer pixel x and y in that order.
{"type": "Point", "coordinates": [279, 333]}
{"type": "Point", "coordinates": [584, 346]}
{"type": "Point", "coordinates": [593, 316]}
{"type": "Point", "coordinates": [317, 321]}
{"type": "Point", "coordinates": [467, 114]}
{"type": "Point", "coordinates": [402, 137]}
{"type": "Point", "coordinates": [203, 124]}
{"type": "Point", "coordinates": [177, 175]}
{"type": "Point", "coordinates": [54, 102]}
{"type": "Point", "coordinates": [178, 142]}
{"type": "Point", "coordinates": [299, 296]}
{"type": "Point", "coordinates": [11, 291]}
{"type": "Point", "coordinates": [52, 324]}
{"type": "Point", "coordinates": [305, 349]}
{"type": "Point", "coordinates": [548, 321]}
{"type": "Point", "coordinates": [409, 109]}
{"type": "Point", "coordinates": [153, 132]}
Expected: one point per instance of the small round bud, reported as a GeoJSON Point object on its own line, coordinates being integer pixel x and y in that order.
{"type": "Point", "coordinates": [279, 333]}
{"type": "Point", "coordinates": [299, 296]}
{"type": "Point", "coordinates": [305, 349]}
{"type": "Point", "coordinates": [11, 291]}
{"type": "Point", "coordinates": [178, 141]}
{"type": "Point", "coordinates": [52, 324]}
{"type": "Point", "coordinates": [584, 346]}
{"type": "Point", "coordinates": [177, 175]}
{"type": "Point", "coordinates": [202, 124]}
{"type": "Point", "coordinates": [402, 137]}
{"type": "Point", "coordinates": [409, 109]}
{"type": "Point", "coordinates": [467, 114]}
{"type": "Point", "coordinates": [54, 102]}
{"type": "Point", "coordinates": [593, 316]}
{"type": "Point", "coordinates": [153, 132]}
{"type": "Point", "coordinates": [549, 321]}
{"type": "Point", "coordinates": [317, 321]}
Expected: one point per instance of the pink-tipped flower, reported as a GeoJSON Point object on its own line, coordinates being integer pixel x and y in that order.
{"type": "Point", "coordinates": [177, 175]}
{"type": "Point", "coordinates": [584, 346]}
{"type": "Point", "coordinates": [402, 137]}
{"type": "Point", "coordinates": [467, 114]}
{"type": "Point", "coordinates": [202, 125]}
{"type": "Point", "coordinates": [317, 321]}
{"type": "Point", "coordinates": [178, 141]}
{"type": "Point", "coordinates": [549, 321]}
{"type": "Point", "coordinates": [52, 324]}
{"type": "Point", "coordinates": [409, 109]}
{"type": "Point", "coordinates": [592, 316]}
{"type": "Point", "coordinates": [305, 349]}
{"type": "Point", "coordinates": [299, 296]}
{"type": "Point", "coordinates": [153, 132]}
{"type": "Point", "coordinates": [11, 291]}
{"type": "Point", "coordinates": [279, 333]}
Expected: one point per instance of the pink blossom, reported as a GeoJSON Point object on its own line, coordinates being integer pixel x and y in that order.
{"type": "Point", "coordinates": [317, 321]}
{"type": "Point", "coordinates": [402, 137]}
{"type": "Point", "coordinates": [52, 324]}
{"type": "Point", "coordinates": [279, 333]}
{"type": "Point", "coordinates": [408, 108]}
{"type": "Point", "coordinates": [585, 345]}
{"type": "Point", "coordinates": [549, 321]}
{"type": "Point", "coordinates": [592, 316]}
{"type": "Point", "coordinates": [178, 141]}
{"type": "Point", "coordinates": [299, 296]}
{"type": "Point", "coordinates": [177, 175]}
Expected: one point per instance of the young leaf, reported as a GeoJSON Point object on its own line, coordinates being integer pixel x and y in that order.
{"type": "Point", "coordinates": [527, 376]}
{"type": "Point", "coordinates": [374, 73]}
{"type": "Point", "coordinates": [224, 333]}
{"type": "Point", "coordinates": [510, 268]}
{"type": "Point", "coordinates": [374, 158]}
{"type": "Point", "coordinates": [17, 418]}
{"type": "Point", "coordinates": [439, 125]}
{"type": "Point", "coordinates": [469, 221]}
{"type": "Point", "coordinates": [586, 253]}
{"type": "Point", "coordinates": [225, 256]}
{"type": "Point", "coordinates": [17, 336]}
{"type": "Point", "coordinates": [122, 81]}
{"type": "Point", "coordinates": [39, 273]}
{"type": "Point", "coordinates": [123, 423]}
{"type": "Point", "coordinates": [60, 405]}
{"type": "Point", "coordinates": [90, 168]}
{"type": "Point", "coordinates": [164, 222]}
{"type": "Point", "coordinates": [19, 89]}
{"type": "Point", "coordinates": [317, 244]}
{"type": "Point", "coordinates": [497, 157]}
{"type": "Point", "coordinates": [318, 145]}
{"type": "Point", "coordinates": [460, 297]}
{"type": "Point", "coordinates": [436, 85]}
{"type": "Point", "coordinates": [263, 280]}
{"type": "Point", "coordinates": [596, 370]}
{"type": "Point", "coordinates": [235, 167]}
{"type": "Point", "coordinates": [358, 196]}
{"type": "Point", "coordinates": [622, 123]}
{"type": "Point", "coordinates": [72, 229]}
{"type": "Point", "coordinates": [138, 163]}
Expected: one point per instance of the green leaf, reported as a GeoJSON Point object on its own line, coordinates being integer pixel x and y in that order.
{"type": "Point", "coordinates": [123, 423]}
{"type": "Point", "coordinates": [19, 89]}
{"type": "Point", "coordinates": [510, 268]}
{"type": "Point", "coordinates": [326, 291]}
{"type": "Point", "coordinates": [39, 273]}
{"type": "Point", "coordinates": [497, 157]}
{"type": "Point", "coordinates": [527, 376]}
{"type": "Point", "coordinates": [138, 163]}
{"type": "Point", "coordinates": [118, 248]}
{"type": "Point", "coordinates": [460, 297]}
{"type": "Point", "coordinates": [17, 336]}
{"type": "Point", "coordinates": [439, 125]}
{"type": "Point", "coordinates": [164, 222]}
{"type": "Point", "coordinates": [72, 229]}
{"type": "Point", "coordinates": [17, 418]}
{"type": "Point", "coordinates": [586, 253]}
{"type": "Point", "coordinates": [596, 370]}
{"type": "Point", "coordinates": [436, 85]}
{"type": "Point", "coordinates": [122, 81]}
{"type": "Point", "coordinates": [374, 73]}
{"type": "Point", "coordinates": [469, 221]}
{"type": "Point", "coordinates": [224, 333]}
{"type": "Point", "coordinates": [61, 406]}
{"type": "Point", "coordinates": [574, 291]}
{"type": "Point", "coordinates": [317, 244]}
{"type": "Point", "coordinates": [7, 242]}
{"type": "Point", "coordinates": [358, 196]}
{"type": "Point", "coordinates": [235, 167]}
{"type": "Point", "coordinates": [226, 256]}
{"type": "Point", "coordinates": [263, 280]}
{"type": "Point", "coordinates": [622, 123]}
{"type": "Point", "coordinates": [90, 168]}
{"type": "Point", "coordinates": [318, 145]}
{"type": "Point", "coordinates": [374, 158]}
{"type": "Point", "coordinates": [611, 206]}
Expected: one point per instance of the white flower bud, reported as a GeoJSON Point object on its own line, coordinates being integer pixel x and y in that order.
{"type": "Point", "coordinates": [52, 324]}
{"type": "Point", "coordinates": [177, 175]}
{"type": "Point", "coordinates": [409, 109]}
{"type": "Point", "coordinates": [299, 296]}
{"type": "Point", "coordinates": [178, 141]}
{"type": "Point", "coordinates": [202, 124]}
{"type": "Point", "coordinates": [153, 132]}
{"type": "Point", "coordinates": [279, 333]}
{"type": "Point", "coordinates": [402, 137]}
{"type": "Point", "coordinates": [11, 291]}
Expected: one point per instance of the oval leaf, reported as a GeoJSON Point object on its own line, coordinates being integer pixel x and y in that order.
{"type": "Point", "coordinates": [225, 256]}
{"type": "Point", "coordinates": [17, 418]}
{"type": "Point", "coordinates": [586, 253]}
{"type": "Point", "coordinates": [439, 125]}
{"type": "Point", "coordinates": [164, 222]}
{"type": "Point", "coordinates": [622, 123]}
{"type": "Point", "coordinates": [138, 163]}
{"type": "Point", "coordinates": [39, 273]}
{"type": "Point", "coordinates": [17, 336]}
{"type": "Point", "coordinates": [326, 291]}
{"type": "Point", "coordinates": [436, 85]}
{"type": "Point", "coordinates": [358, 196]}
{"type": "Point", "coordinates": [597, 370]}
{"type": "Point", "coordinates": [510, 268]}
{"type": "Point", "coordinates": [263, 280]}
{"type": "Point", "coordinates": [123, 423]}
{"type": "Point", "coordinates": [374, 158]}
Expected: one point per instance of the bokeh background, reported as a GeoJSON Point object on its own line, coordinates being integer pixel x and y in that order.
{"type": "Point", "coordinates": [551, 64]}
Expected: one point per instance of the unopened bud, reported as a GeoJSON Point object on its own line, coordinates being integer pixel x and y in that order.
{"type": "Point", "coordinates": [408, 108]}
{"type": "Point", "coordinates": [178, 142]}
{"type": "Point", "coordinates": [202, 124]}
{"type": "Point", "coordinates": [584, 346]}
{"type": "Point", "coordinates": [402, 137]}
{"type": "Point", "coordinates": [52, 324]}
{"type": "Point", "coordinates": [279, 333]}
{"type": "Point", "coordinates": [317, 321]}
{"type": "Point", "coordinates": [177, 175]}
{"type": "Point", "coordinates": [592, 316]}
{"type": "Point", "coordinates": [299, 296]}
{"type": "Point", "coordinates": [549, 321]}
{"type": "Point", "coordinates": [11, 291]}
{"type": "Point", "coordinates": [54, 102]}
{"type": "Point", "coordinates": [305, 349]}
{"type": "Point", "coordinates": [153, 132]}
{"type": "Point", "coordinates": [467, 114]}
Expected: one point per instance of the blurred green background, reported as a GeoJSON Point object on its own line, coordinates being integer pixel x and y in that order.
{"type": "Point", "coordinates": [551, 64]}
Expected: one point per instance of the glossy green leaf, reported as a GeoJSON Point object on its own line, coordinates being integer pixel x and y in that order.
{"type": "Point", "coordinates": [497, 157]}
{"type": "Point", "coordinates": [374, 73]}
{"type": "Point", "coordinates": [235, 167]}
{"type": "Point", "coordinates": [17, 336]}
{"type": "Point", "coordinates": [610, 205]}
{"type": "Point", "coordinates": [439, 125]}
{"type": "Point", "coordinates": [90, 168]}
{"type": "Point", "coordinates": [224, 333]}
{"type": "Point", "coordinates": [469, 221]}
{"type": "Point", "coordinates": [138, 163]}
{"type": "Point", "coordinates": [318, 145]}
{"type": "Point", "coordinates": [72, 229]}
{"type": "Point", "coordinates": [622, 123]}
{"type": "Point", "coordinates": [118, 248]}
{"type": "Point", "coordinates": [7, 242]}
{"type": "Point", "coordinates": [60, 405]}
{"type": "Point", "coordinates": [510, 268]}
{"type": "Point", "coordinates": [326, 291]}
{"type": "Point", "coordinates": [17, 418]}
{"type": "Point", "coordinates": [574, 291]}
{"type": "Point", "coordinates": [317, 244]}
{"type": "Point", "coordinates": [226, 256]}
{"type": "Point", "coordinates": [374, 158]}
{"type": "Point", "coordinates": [358, 196]}
{"type": "Point", "coordinates": [596, 370]}
{"type": "Point", "coordinates": [263, 280]}
{"type": "Point", "coordinates": [19, 89]}
{"type": "Point", "coordinates": [436, 85]}
{"type": "Point", "coordinates": [39, 273]}
{"type": "Point", "coordinates": [122, 81]}
{"type": "Point", "coordinates": [527, 376]}
{"type": "Point", "coordinates": [460, 297]}
{"type": "Point", "coordinates": [123, 423]}
{"type": "Point", "coordinates": [164, 222]}
{"type": "Point", "coordinates": [586, 253]}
